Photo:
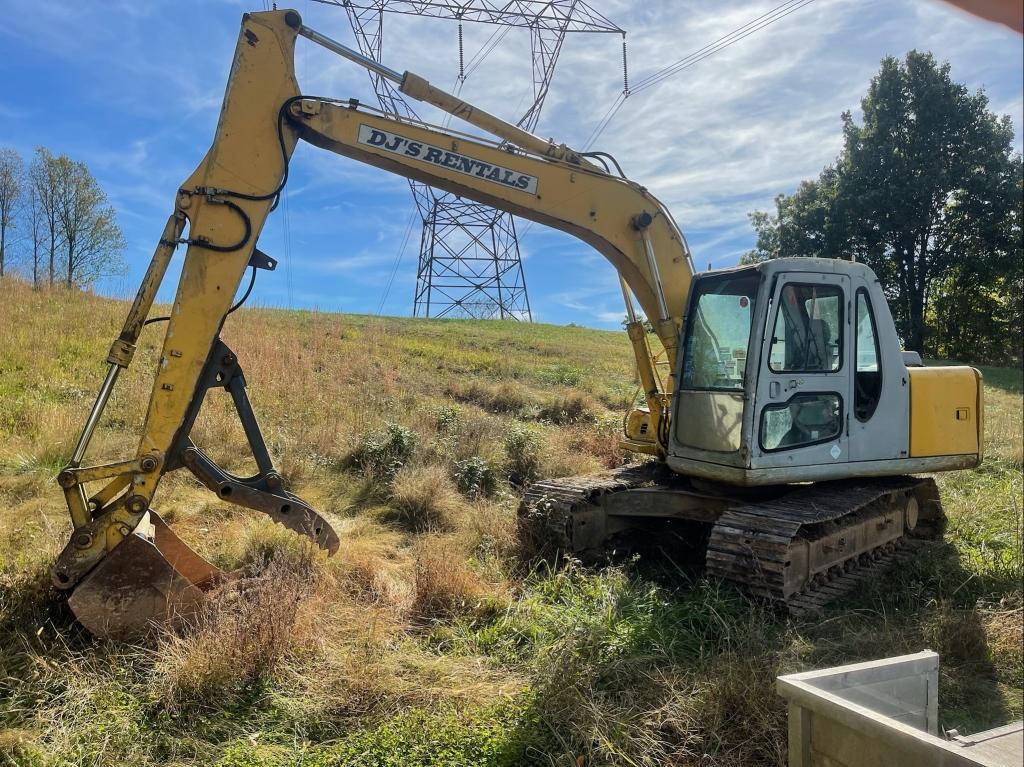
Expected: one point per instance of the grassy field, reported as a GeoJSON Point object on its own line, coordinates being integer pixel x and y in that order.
{"type": "Point", "coordinates": [424, 641]}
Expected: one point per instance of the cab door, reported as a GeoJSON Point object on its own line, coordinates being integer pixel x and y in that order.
{"type": "Point", "coordinates": [880, 396]}
{"type": "Point", "coordinates": [804, 378]}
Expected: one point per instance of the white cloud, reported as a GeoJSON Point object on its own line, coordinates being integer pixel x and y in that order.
{"type": "Point", "coordinates": [714, 142]}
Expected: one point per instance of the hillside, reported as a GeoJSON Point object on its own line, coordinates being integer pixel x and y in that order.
{"type": "Point", "coordinates": [425, 641]}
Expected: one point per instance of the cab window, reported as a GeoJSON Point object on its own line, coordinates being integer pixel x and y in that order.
{"type": "Point", "coordinates": [807, 419]}
{"type": "Point", "coordinates": [808, 333]}
{"type": "Point", "coordinates": [718, 332]}
{"type": "Point", "coordinates": [867, 379]}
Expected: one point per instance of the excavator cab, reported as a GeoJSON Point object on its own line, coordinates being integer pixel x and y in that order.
{"type": "Point", "coordinates": [792, 371]}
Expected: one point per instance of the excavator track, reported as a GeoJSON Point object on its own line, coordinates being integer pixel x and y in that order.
{"type": "Point", "coordinates": [815, 543]}
{"type": "Point", "coordinates": [813, 600]}
{"type": "Point", "coordinates": [801, 549]}
{"type": "Point", "coordinates": [552, 510]}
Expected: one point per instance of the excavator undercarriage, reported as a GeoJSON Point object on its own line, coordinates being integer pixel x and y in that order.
{"type": "Point", "coordinates": [800, 546]}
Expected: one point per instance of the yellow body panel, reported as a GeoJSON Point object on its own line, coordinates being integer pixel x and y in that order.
{"type": "Point", "coordinates": [946, 411]}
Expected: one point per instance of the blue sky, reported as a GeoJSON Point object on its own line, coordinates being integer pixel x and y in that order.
{"type": "Point", "coordinates": [133, 88]}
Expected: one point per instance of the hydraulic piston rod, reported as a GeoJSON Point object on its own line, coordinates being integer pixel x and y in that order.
{"type": "Point", "coordinates": [352, 55]}
{"type": "Point", "coordinates": [94, 416]}
{"type": "Point", "coordinates": [420, 89]}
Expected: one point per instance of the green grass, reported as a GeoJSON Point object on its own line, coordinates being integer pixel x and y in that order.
{"type": "Point", "coordinates": [425, 641]}
{"type": "Point", "coordinates": [494, 735]}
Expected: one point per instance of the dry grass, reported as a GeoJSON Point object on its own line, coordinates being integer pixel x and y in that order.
{"type": "Point", "coordinates": [445, 584]}
{"type": "Point", "coordinates": [373, 567]}
{"type": "Point", "coordinates": [424, 499]}
{"type": "Point", "coordinates": [505, 397]}
{"type": "Point", "coordinates": [424, 635]}
{"type": "Point", "coordinates": [247, 630]}
{"type": "Point", "coordinates": [571, 406]}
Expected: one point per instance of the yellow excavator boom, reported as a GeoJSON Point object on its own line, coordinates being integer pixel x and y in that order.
{"type": "Point", "coordinates": [223, 206]}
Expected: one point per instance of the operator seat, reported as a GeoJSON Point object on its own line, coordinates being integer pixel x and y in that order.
{"type": "Point", "coordinates": [814, 419]}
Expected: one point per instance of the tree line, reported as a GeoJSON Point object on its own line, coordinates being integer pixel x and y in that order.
{"type": "Point", "coordinates": [56, 223]}
{"type": "Point", "coordinates": [927, 191]}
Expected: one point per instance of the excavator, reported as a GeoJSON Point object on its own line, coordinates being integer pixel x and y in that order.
{"type": "Point", "coordinates": [781, 418]}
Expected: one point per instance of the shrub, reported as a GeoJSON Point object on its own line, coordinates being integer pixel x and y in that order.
{"type": "Point", "coordinates": [425, 499]}
{"type": "Point", "coordinates": [509, 397]}
{"type": "Point", "coordinates": [601, 440]}
{"type": "Point", "coordinates": [505, 397]}
{"type": "Point", "coordinates": [447, 419]}
{"type": "Point", "coordinates": [563, 375]}
{"type": "Point", "coordinates": [475, 478]}
{"type": "Point", "coordinates": [381, 454]}
{"type": "Point", "coordinates": [523, 454]}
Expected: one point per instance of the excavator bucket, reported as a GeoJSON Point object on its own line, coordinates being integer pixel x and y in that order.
{"type": "Point", "coordinates": [151, 578]}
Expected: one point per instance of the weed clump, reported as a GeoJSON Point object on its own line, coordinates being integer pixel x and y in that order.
{"type": "Point", "coordinates": [569, 407]}
{"type": "Point", "coordinates": [507, 397]}
{"type": "Point", "coordinates": [454, 736]}
{"type": "Point", "coordinates": [445, 585]}
{"type": "Point", "coordinates": [475, 478]}
{"type": "Point", "coordinates": [245, 631]}
{"type": "Point", "coordinates": [381, 454]}
{"type": "Point", "coordinates": [523, 454]}
{"type": "Point", "coordinates": [447, 419]}
{"type": "Point", "coordinates": [563, 375]}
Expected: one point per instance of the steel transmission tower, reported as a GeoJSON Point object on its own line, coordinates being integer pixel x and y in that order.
{"type": "Point", "coordinates": [469, 263]}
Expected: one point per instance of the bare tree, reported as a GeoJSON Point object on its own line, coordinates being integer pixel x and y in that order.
{"type": "Point", "coordinates": [45, 181]}
{"type": "Point", "coordinates": [35, 223]}
{"type": "Point", "coordinates": [92, 238]}
{"type": "Point", "coordinates": [12, 171]}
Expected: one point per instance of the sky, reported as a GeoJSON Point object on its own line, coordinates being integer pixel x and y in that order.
{"type": "Point", "coordinates": [133, 89]}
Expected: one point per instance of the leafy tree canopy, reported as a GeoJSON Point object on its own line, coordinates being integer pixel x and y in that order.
{"type": "Point", "coordinates": [927, 191]}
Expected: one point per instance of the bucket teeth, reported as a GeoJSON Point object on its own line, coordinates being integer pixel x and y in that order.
{"type": "Point", "coordinates": [293, 513]}
{"type": "Point", "coordinates": [257, 493]}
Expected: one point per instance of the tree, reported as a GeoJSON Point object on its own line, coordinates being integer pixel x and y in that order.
{"type": "Point", "coordinates": [45, 181]}
{"type": "Point", "coordinates": [34, 223]}
{"type": "Point", "coordinates": [12, 171]}
{"type": "Point", "coordinates": [927, 191]}
{"type": "Point", "coordinates": [92, 239]}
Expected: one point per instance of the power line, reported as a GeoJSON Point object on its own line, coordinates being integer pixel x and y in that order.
{"type": "Point", "coordinates": [398, 263]}
{"type": "Point", "coordinates": [603, 123]}
{"type": "Point", "coordinates": [485, 50]}
{"type": "Point", "coordinates": [478, 58]}
{"type": "Point", "coordinates": [755, 25]}
{"type": "Point", "coordinates": [775, 14]}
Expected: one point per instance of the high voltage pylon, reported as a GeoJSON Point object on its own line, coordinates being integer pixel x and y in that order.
{"type": "Point", "coordinates": [469, 263]}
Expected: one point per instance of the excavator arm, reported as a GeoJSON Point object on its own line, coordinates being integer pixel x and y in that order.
{"type": "Point", "coordinates": [617, 217]}
{"type": "Point", "coordinates": [124, 564]}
